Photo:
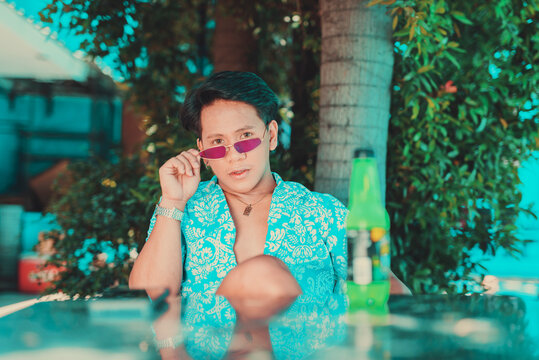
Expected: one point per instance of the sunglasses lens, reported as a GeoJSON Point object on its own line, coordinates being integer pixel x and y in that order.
{"type": "Point", "coordinates": [247, 145]}
{"type": "Point", "coordinates": [213, 153]}
{"type": "Point", "coordinates": [219, 152]}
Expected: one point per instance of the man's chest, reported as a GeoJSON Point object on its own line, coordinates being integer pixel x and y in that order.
{"type": "Point", "coordinates": [251, 232]}
{"type": "Point", "coordinates": [291, 237]}
{"type": "Point", "coordinates": [250, 242]}
{"type": "Point", "coordinates": [213, 248]}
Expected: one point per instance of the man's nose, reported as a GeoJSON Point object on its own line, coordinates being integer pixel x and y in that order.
{"type": "Point", "coordinates": [234, 155]}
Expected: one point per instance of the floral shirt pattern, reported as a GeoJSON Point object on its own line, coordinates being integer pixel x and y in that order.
{"type": "Point", "coordinates": [309, 325]}
{"type": "Point", "coordinates": [306, 230]}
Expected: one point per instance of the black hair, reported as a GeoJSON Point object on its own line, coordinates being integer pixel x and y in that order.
{"type": "Point", "coordinates": [229, 85]}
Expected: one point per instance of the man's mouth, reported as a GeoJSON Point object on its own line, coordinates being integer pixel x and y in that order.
{"type": "Point", "coordinates": [238, 172]}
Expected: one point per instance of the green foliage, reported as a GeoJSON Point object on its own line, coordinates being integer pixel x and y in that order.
{"type": "Point", "coordinates": [151, 43]}
{"type": "Point", "coordinates": [464, 83]}
{"type": "Point", "coordinates": [160, 49]}
{"type": "Point", "coordinates": [109, 203]}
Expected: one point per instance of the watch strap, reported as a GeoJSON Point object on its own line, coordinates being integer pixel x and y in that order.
{"type": "Point", "coordinates": [170, 342]}
{"type": "Point", "coordinates": [170, 213]}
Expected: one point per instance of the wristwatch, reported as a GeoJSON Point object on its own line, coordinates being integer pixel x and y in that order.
{"type": "Point", "coordinates": [170, 213]}
{"type": "Point", "coordinates": [170, 342]}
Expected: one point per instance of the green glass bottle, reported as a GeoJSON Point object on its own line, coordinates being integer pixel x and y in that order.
{"type": "Point", "coordinates": [367, 227]}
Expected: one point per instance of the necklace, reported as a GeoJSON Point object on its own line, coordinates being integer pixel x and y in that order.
{"type": "Point", "coordinates": [249, 207]}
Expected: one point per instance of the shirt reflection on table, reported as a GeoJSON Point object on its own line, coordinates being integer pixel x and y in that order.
{"type": "Point", "coordinates": [259, 307]}
{"type": "Point", "coordinates": [210, 328]}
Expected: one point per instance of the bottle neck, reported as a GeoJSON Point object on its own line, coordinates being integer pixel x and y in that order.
{"type": "Point", "coordinates": [364, 182]}
{"type": "Point", "coordinates": [366, 210]}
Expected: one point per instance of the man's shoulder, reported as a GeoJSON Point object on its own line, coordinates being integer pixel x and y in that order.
{"type": "Point", "coordinates": [299, 194]}
{"type": "Point", "coordinates": [292, 187]}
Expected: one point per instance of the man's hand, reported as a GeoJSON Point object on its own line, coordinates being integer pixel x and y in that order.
{"type": "Point", "coordinates": [179, 177]}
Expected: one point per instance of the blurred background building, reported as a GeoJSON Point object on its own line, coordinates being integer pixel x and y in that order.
{"type": "Point", "coordinates": [53, 107]}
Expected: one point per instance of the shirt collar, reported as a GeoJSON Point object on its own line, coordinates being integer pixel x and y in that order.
{"type": "Point", "coordinates": [213, 182]}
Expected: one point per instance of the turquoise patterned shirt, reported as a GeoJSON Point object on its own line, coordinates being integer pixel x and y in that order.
{"type": "Point", "coordinates": [309, 325]}
{"type": "Point", "coordinates": [306, 230]}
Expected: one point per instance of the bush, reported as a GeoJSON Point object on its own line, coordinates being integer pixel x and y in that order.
{"type": "Point", "coordinates": [104, 211]}
{"type": "Point", "coordinates": [465, 78]}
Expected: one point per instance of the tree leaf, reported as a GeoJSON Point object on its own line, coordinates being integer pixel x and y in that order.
{"type": "Point", "coordinates": [402, 32]}
{"type": "Point", "coordinates": [452, 59]}
{"type": "Point", "coordinates": [412, 32]}
{"type": "Point", "coordinates": [430, 102]}
{"type": "Point", "coordinates": [415, 110]}
{"type": "Point", "coordinates": [440, 9]}
{"type": "Point", "coordinates": [425, 69]}
{"type": "Point", "coordinates": [374, 2]}
{"type": "Point", "coordinates": [461, 17]}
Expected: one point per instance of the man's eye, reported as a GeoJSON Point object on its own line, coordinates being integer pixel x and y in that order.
{"type": "Point", "coordinates": [246, 134]}
{"type": "Point", "coordinates": [217, 141]}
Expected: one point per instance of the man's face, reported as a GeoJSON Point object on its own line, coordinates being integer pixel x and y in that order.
{"type": "Point", "coordinates": [226, 122]}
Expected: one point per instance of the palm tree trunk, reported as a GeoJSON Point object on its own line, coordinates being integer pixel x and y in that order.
{"type": "Point", "coordinates": [355, 79]}
{"type": "Point", "coordinates": [233, 42]}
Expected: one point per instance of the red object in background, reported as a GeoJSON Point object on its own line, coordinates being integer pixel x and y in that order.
{"type": "Point", "coordinates": [33, 277]}
{"type": "Point", "coordinates": [448, 88]}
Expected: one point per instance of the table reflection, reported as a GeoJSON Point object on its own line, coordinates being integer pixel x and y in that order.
{"type": "Point", "coordinates": [128, 325]}
{"type": "Point", "coordinates": [420, 327]}
{"type": "Point", "coordinates": [212, 329]}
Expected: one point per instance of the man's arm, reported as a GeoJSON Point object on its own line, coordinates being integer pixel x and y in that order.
{"type": "Point", "coordinates": [159, 264]}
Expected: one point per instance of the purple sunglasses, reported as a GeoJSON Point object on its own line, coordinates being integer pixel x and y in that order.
{"type": "Point", "coordinates": [241, 146]}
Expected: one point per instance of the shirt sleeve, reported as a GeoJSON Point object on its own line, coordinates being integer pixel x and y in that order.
{"type": "Point", "coordinates": [152, 224]}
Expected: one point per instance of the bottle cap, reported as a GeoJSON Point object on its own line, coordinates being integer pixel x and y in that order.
{"type": "Point", "coordinates": [363, 153]}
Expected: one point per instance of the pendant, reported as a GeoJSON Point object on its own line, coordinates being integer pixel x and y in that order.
{"type": "Point", "coordinates": [247, 210]}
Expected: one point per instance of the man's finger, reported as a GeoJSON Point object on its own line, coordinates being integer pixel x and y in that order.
{"type": "Point", "coordinates": [186, 164]}
{"type": "Point", "coordinates": [193, 160]}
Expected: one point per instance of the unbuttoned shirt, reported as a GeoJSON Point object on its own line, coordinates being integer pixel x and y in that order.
{"type": "Point", "coordinates": [306, 230]}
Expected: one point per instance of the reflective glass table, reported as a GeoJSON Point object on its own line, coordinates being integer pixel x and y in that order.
{"type": "Point", "coordinates": [128, 325]}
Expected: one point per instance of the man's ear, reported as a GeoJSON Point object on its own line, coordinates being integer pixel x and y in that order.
{"type": "Point", "coordinates": [199, 144]}
{"type": "Point", "coordinates": [273, 128]}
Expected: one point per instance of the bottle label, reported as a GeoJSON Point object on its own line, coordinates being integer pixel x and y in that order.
{"type": "Point", "coordinates": [362, 270]}
{"type": "Point", "coordinates": [385, 256]}
{"type": "Point", "coordinates": [369, 256]}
